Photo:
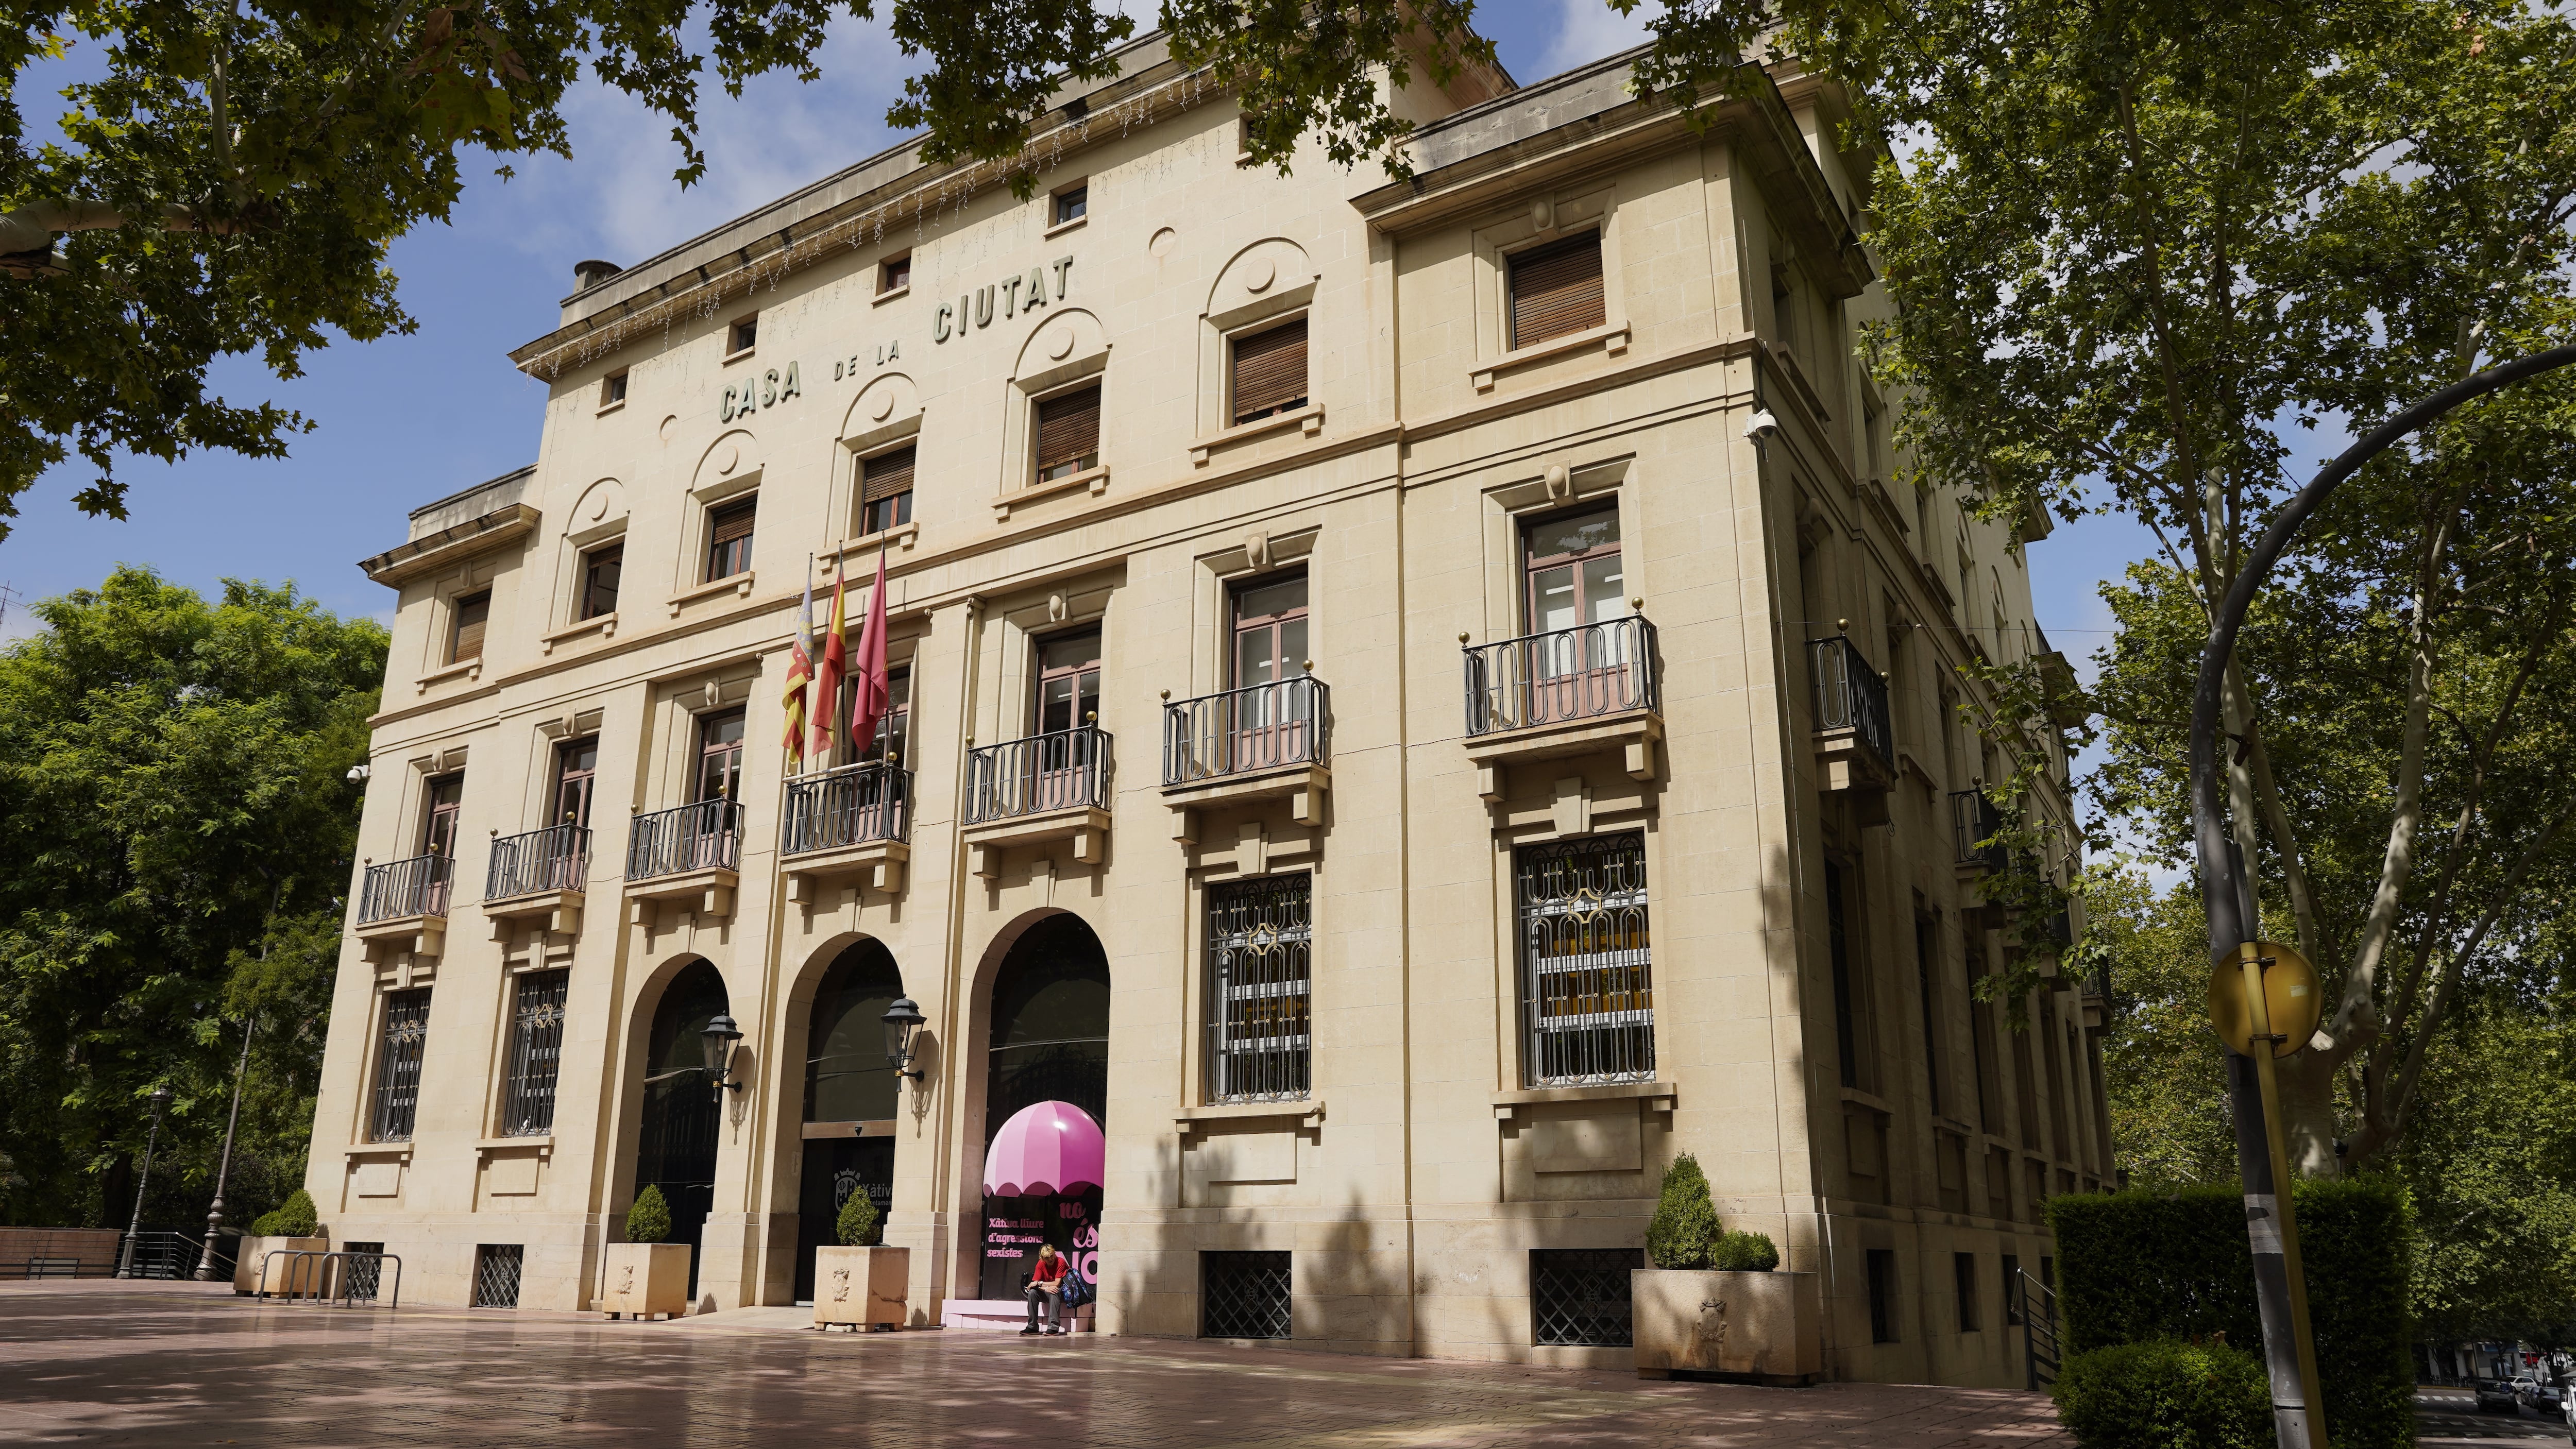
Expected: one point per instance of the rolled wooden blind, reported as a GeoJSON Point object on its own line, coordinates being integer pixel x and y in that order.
{"type": "Point", "coordinates": [731, 522]}
{"type": "Point", "coordinates": [1270, 371]}
{"type": "Point", "coordinates": [1556, 290]}
{"type": "Point", "coordinates": [1069, 432]}
{"type": "Point", "coordinates": [885, 475]}
{"type": "Point", "coordinates": [471, 615]}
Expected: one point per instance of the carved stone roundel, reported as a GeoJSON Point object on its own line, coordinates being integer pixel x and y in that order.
{"type": "Point", "coordinates": [883, 407]}
{"type": "Point", "coordinates": [1258, 274]}
{"type": "Point", "coordinates": [727, 458]}
{"type": "Point", "coordinates": [1060, 344]}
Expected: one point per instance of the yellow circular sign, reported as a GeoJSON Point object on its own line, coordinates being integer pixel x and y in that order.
{"type": "Point", "coordinates": [2293, 998]}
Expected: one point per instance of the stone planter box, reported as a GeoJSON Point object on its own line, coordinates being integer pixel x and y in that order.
{"type": "Point", "coordinates": [1765, 1327]}
{"type": "Point", "coordinates": [862, 1288]}
{"type": "Point", "coordinates": [644, 1280]}
{"type": "Point", "coordinates": [286, 1275]}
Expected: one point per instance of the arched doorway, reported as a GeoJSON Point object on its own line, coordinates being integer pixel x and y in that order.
{"type": "Point", "coordinates": [1049, 1043]}
{"type": "Point", "coordinates": [676, 1151]}
{"type": "Point", "coordinates": [850, 1099]}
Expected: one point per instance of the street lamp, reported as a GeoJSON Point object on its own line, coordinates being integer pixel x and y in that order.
{"type": "Point", "coordinates": [718, 1042]}
{"type": "Point", "coordinates": [2227, 894]}
{"type": "Point", "coordinates": [902, 1020]}
{"type": "Point", "coordinates": [215, 1215]}
{"type": "Point", "coordinates": [160, 1099]}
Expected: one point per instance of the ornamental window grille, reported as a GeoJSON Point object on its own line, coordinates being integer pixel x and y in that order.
{"type": "Point", "coordinates": [398, 1054]}
{"type": "Point", "coordinates": [536, 1054]}
{"type": "Point", "coordinates": [1243, 1295]}
{"type": "Point", "coordinates": [364, 1267]}
{"type": "Point", "coordinates": [496, 1274]}
{"type": "Point", "coordinates": [1260, 1019]}
{"type": "Point", "coordinates": [1579, 1296]}
{"type": "Point", "coordinates": [1587, 990]}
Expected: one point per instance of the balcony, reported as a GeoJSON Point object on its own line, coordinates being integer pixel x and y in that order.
{"type": "Point", "coordinates": [1261, 742]}
{"type": "Point", "coordinates": [691, 854]}
{"type": "Point", "coordinates": [851, 824]}
{"type": "Point", "coordinates": [1854, 750]}
{"type": "Point", "coordinates": [1974, 823]}
{"type": "Point", "coordinates": [540, 874]}
{"type": "Point", "coordinates": [1048, 787]}
{"type": "Point", "coordinates": [1586, 690]}
{"type": "Point", "coordinates": [402, 905]}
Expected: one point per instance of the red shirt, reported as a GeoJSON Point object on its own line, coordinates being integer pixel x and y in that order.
{"type": "Point", "coordinates": [1048, 1269]}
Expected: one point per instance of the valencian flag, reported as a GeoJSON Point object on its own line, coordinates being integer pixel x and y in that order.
{"type": "Point", "coordinates": [868, 696]}
{"type": "Point", "coordinates": [800, 671]}
{"type": "Point", "coordinates": [827, 674]}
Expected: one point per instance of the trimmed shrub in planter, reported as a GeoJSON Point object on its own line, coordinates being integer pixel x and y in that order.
{"type": "Point", "coordinates": [1747, 1253]}
{"type": "Point", "coordinates": [860, 1225]}
{"type": "Point", "coordinates": [294, 1218]}
{"type": "Point", "coordinates": [2139, 1266]}
{"type": "Point", "coordinates": [2166, 1395]}
{"type": "Point", "coordinates": [649, 1220]}
{"type": "Point", "coordinates": [1683, 1233]}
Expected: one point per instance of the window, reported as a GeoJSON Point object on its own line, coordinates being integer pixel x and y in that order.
{"type": "Point", "coordinates": [576, 771]}
{"type": "Point", "coordinates": [1981, 1033]}
{"type": "Point", "coordinates": [465, 627]}
{"type": "Point", "coordinates": [1999, 1183]}
{"type": "Point", "coordinates": [442, 804]}
{"type": "Point", "coordinates": [1575, 576]}
{"type": "Point", "coordinates": [536, 1053]}
{"type": "Point", "coordinates": [742, 335]}
{"type": "Point", "coordinates": [1071, 204]}
{"type": "Point", "coordinates": [1579, 1296]}
{"type": "Point", "coordinates": [496, 1274]}
{"type": "Point", "coordinates": [1850, 1032]}
{"type": "Point", "coordinates": [1927, 950]}
{"type": "Point", "coordinates": [1587, 995]}
{"type": "Point", "coordinates": [720, 755]}
{"type": "Point", "coordinates": [1269, 631]}
{"type": "Point", "coordinates": [1260, 1026]}
{"type": "Point", "coordinates": [1963, 1273]}
{"type": "Point", "coordinates": [1555, 290]}
{"type": "Point", "coordinates": [600, 570]}
{"type": "Point", "coordinates": [1243, 1295]}
{"type": "Point", "coordinates": [612, 389]}
{"type": "Point", "coordinates": [1068, 693]}
{"type": "Point", "coordinates": [398, 1053]}
{"type": "Point", "coordinates": [2026, 1084]}
{"type": "Point", "coordinates": [1882, 1295]}
{"type": "Point", "coordinates": [885, 490]}
{"type": "Point", "coordinates": [729, 538]}
{"type": "Point", "coordinates": [894, 274]}
{"type": "Point", "coordinates": [1069, 433]}
{"type": "Point", "coordinates": [1270, 371]}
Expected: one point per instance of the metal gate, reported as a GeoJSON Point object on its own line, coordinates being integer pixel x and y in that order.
{"type": "Point", "coordinates": [496, 1275]}
{"type": "Point", "coordinates": [1243, 1295]}
{"type": "Point", "coordinates": [1579, 1297]}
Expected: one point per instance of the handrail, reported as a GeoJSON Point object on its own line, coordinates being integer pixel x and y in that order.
{"type": "Point", "coordinates": [851, 805]}
{"type": "Point", "coordinates": [1851, 695]}
{"type": "Point", "coordinates": [414, 886]}
{"type": "Point", "coordinates": [1238, 731]}
{"type": "Point", "coordinates": [2043, 1345]}
{"type": "Point", "coordinates": [703, 836]}
{"type": "Point", "coordinates": [556, 858]}
{"type": "Point", "coordinates": [1058, 770]}
{"type": "Point", "coordinates": [1604, 668]}
{"type": "Point", "coordinates": [322, 1273]}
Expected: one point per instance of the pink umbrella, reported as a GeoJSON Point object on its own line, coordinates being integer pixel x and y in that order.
{"type": "Point", "coordinates": [1053, 1147]}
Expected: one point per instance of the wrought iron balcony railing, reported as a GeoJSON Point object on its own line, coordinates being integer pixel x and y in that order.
{"type": "Point", "coordinates": [417, 886]}
{"type": "Point", "coordinates": [1054, 771]}
{"type": "Point", "coordinates": [1562, 675]}
{"type": "Point", "coordinates": [1850, 695]}
{"type": "Point", "coordinates": [1257, 727]}
{"type": "Point", "coordinates": [556, 858]}
{"type": "Point", "coordinates": [852, 805]}
{"type": "Point", "coordinates": [1974, 820]}
{"type": "Point", "coordinates": [704, 836]}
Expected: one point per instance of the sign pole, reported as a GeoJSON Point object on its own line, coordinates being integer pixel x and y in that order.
{"type": "Point", "coordinates": [2269, 1210]}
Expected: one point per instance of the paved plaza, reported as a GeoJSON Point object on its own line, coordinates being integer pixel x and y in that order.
{"type": "Point", "coordinates": [161, 1364]}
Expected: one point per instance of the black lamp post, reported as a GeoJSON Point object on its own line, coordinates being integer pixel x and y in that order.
{"type": "Point", "coordinates": [2226, 890]}
{"type": "Point", "coordinates": [902, 1020]}
{"type": "Point", "coordinates": [160, 1099]}
{"type": "Point", "coordinates": [718, 1041]}
{"type": "Point", "coordinates": [215, 1215]}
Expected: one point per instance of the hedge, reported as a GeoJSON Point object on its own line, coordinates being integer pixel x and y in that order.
{"type": "Point", "coordinates": [2134, 1267]}
{"type": "Point", "coordinates": [294, 1218]}
{"type": "Point", "coordinates": [2166, 1395]}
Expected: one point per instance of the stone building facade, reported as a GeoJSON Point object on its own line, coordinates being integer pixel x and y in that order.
{"type": "Point", "coordinates": [1418, 703]}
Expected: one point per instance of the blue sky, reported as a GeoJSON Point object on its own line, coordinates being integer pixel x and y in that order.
{"type": "Point", "coordinates": [408, 419]}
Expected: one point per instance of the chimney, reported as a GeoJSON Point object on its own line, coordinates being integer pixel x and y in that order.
{"type": "Point", "coordinates": [587, 275]}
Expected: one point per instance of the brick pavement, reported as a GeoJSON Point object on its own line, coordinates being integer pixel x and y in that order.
{"type": "Point", "coordinates": [180, 1364]}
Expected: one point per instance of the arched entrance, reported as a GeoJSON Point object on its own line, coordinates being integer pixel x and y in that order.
{"type": "Point", "coordinates": [850, 1099]}
{"type": "Point", "coordinates": [1049, 1043]}
{"type": "Point", "coordinates": [676, 1151]}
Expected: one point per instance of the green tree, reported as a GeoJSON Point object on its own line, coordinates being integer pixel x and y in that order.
{"type": "Point", "coordinates": [2162, 1065]}
{"type": "Point", "coordinates": [176, 833]}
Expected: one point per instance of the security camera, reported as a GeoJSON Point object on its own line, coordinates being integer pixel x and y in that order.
{"type": "Point", "coordinates": [358, 773]}
{"type": "Point", "coordinates": [1761, 425]}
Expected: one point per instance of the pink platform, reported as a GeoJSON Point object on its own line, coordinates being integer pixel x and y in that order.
{"type": "Point", "coordinates": [1003, 1315]}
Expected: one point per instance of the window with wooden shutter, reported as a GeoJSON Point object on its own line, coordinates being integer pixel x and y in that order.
{"type": "Point", "coordinates": [466, 640]}
{"type": "Point", "coordinates": [601, 568]}
{"type": "Point", "coordinates": [729, 538]}
{"type": "Point", "coordinates": [885, 490]}
{"type": "Point", "coordinates": [1069, 434]}
{"type": "Point", "coordinates": [1270, 371]}
{"type": "Point", "coordinates": [1556, 289]}
{"type": "Point", "coordinates": [895, 273]}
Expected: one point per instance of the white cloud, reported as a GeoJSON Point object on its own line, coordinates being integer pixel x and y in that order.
{"type": "Point", "coordinates": [1588, 30]}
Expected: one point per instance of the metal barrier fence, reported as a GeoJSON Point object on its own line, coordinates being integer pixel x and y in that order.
{"type": "Point", "coordinates": [311, 1277]}
{"type": "Point", "coordinates": [1562, 675]}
